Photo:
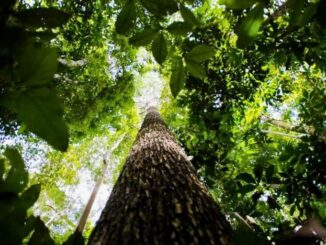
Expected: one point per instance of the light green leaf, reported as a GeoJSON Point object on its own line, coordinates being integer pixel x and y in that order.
{"type": "Point", "coordinates": [126, 18]}
{"type": "Point", "coordinates": [188, 16]}
{"type": "Point", "coordinates": [250, 26]}
{"type": "Point", "coordinates": [41, 111]}
{"type": "Point", "coordinates": [178, 77]}
{"type": "Point", "coordinates": [143, 38]}
{"type": "Point", "coordinates": [238, 4]}
{"type": "Point", "coordinates": [200, 53]}
{"type": "Point", "coordinates": [179, 28]}
{"type": "Point", "coordinates": [17, 177]}
{"type": "Point", "coordinates": [159, 48]}
{"type": "Point", "coordinates": [196, 69]}
{"type": "Point", "coordinates": [36, 65]}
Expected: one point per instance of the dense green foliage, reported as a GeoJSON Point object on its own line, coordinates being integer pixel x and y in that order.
{"type": "Point", "coordinates": [244, 93]}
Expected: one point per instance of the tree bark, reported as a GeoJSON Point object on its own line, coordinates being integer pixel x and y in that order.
{"type": "Point", "coordinates": [158, 198]}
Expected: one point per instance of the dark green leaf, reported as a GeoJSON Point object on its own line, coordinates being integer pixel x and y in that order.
{"type": "Point", "coordinates": [41, 111]}
{"type": "Point", "coordinates": [143, 38]}
{"type": "Point", "coordinates": [126, 18]}
{"type": "Point", "coordinates": [179, 28]}
{"type": "Point", "coordinates": [2, 168]}
{"type": "Point", "coordinates": [43, 17]}
{"type": "Point", "coordinates": [308, 13]}
{"type": "Point", "coordinates": [17, 177]}
{"type": "Point", "coordinates": [159, 48]}
{"type": "Point", "coordinates": [200, 53]}
{"type": "Point", "coordinates": [247, 188]}
{"type": "Point", "coordinates": [272, 203]}
{"type": "Point", "coordinates": [244, 236]}
{"type": "Point", "coordinates": [188, 16]}
{"type": "Point", "coordinates": [246, 177]}
{"type": "Point", "coordinates": [238, 4]}
{"type": "Point", "coordinates": [256, 196]}
{"type": "Point", "coordinates": [75, 239]}
{"type": "Point", "coordinates": [36, 65]}
{"type": "Point", "coordinates": [41, 234]}
{"type": "Point", "coordinates": [30, 196]}
{"type": "Point", "coordinates": [196, 69]}
{"type": "Point", "coordinates": [258, 171]}
{"type": "Point", "coordinates": [178, 77]}
{"type": "Point", "coordinates": [269, 173]}
{"type": "Point", "coordinates": [160, 8]}
{"type": "Point", "coordinates": [296, 7]}
{"type": "Point", "coordinates": [29, 225]}
{"type": "Point", "coordinates": [250, 26]}
{"type": "Point", "coordinates": [7, 4]}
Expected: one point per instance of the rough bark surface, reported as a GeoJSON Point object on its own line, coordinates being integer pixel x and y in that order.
{"type": "Point", "coordinates": [158, 198]}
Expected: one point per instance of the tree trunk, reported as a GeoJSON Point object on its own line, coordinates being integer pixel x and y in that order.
{"type": "Point", "coordinates": [158, 198]}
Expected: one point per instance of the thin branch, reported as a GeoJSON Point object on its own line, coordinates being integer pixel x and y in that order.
{"type": "Point", "coordinates": [107, 155]}
{"type": "Point", "coordinates": [239, 217]}
{"type": "Point", "coordinates": [282, 134]}
{"type": "Point", "coordinates": [72, 63]}
{"type": "Point", "coordinates": [300, 129]}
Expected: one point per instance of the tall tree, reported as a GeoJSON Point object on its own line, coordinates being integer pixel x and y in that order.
{"type": "Point", "coordinates": [158, 198]}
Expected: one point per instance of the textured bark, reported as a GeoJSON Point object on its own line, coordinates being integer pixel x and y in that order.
{"type": "Point", "coordinates": [158, 198]}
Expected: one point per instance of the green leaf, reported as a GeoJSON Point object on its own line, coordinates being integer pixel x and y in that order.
{"type": "Point", "coordinates": [126, 18]}
{"type": "Point", "coordinates": [43, 17]}
{"type": "Point", "coordinates": [250, 26]}
{"type": "Point", "coordinates": [2, 168]}
{"type": "Point", "coordinates": [308, 13]}
{"type": "Point", "coordinates": [143, 38]}
{"type": "Point", "coordinates": [238, 4]}
{"type": "Point", "coordinates": [160, 8]}
{"type": "Point", "coordinates": [178, 77]}
{"type": "Point", "coordinates": [269, 173]}
{"type": "Point", "coordinates": [75, 239]}
{"type": "Point", "coordinates": [258, 171]}
{"type": "Point", "coordinates": [244, 236]}
{"type": "Point", "coordinates": [41, 111]}
{"type": "Point", "coordinates": [41, 234]}
{"type": "Point", "coordinates": [17, 177]}
{"type": "Point", "coordinates": [296, 8]}
{"type": "Point", "coordinates": [159, 48]}
{"type": "Point", "coordinates": [36, 65]}
{"type": "Point", "coordinates": [246, 177]}
{"type": "Point", "coordinates": [30, 196]}
{"type": "Point", "coordinates": [29, 225]}
{"type": "Point", "coordinates": [247, 188]}
{"type": "Point", "coordinates": [188, 16]}
{"type": "Point", "coordinates": [196, 69]}
{"type": "Point", "coordinates": [200, 53]}
{"type": "Point", "coordinates": [179, 28]}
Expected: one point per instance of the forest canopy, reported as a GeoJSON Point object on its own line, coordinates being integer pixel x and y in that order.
{"type": "Point", "coordinates": [241, 84]}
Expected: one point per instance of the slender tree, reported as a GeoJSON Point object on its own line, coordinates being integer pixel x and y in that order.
{"type": "Point", "coordinates": [158, 198]}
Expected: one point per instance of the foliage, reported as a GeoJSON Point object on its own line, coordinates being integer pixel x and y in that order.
{"type": "Point", "coordinates": [15, 199]}
{"type": "Point", "coordinates": [27, 68]}
{"type": "Point", "coordinates": [245, 95]}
